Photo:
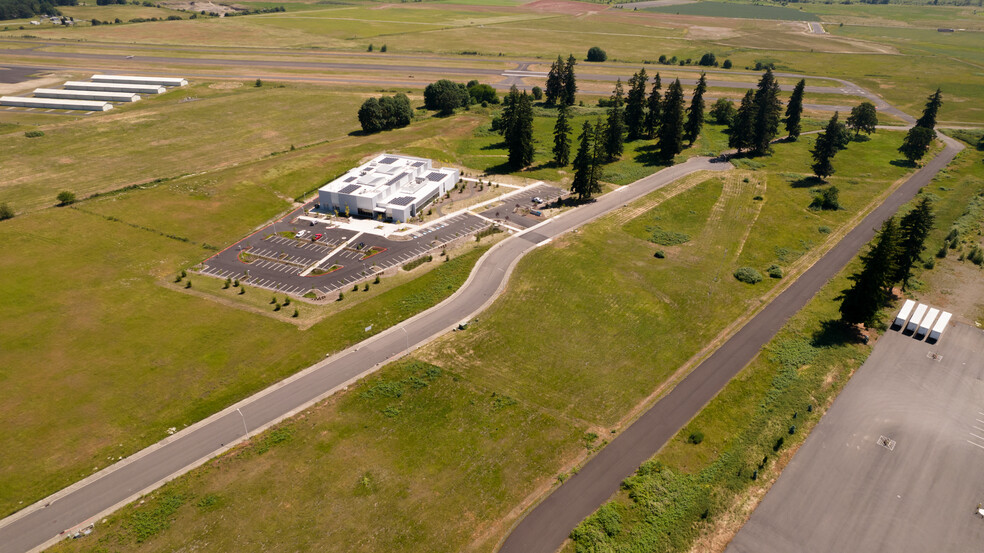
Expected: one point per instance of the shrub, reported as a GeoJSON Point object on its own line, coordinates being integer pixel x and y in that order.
{"type": "Point", "coordinates": [537, 93]}
{"type": "Point", "coordinates": [696, 437]}
{"type": "Point", "coordinates": [188, 284]}
{"type": "Point", "coordinates": [774, 271]}
{"type": "Point", "coordinates": [944, 249]}
{"type": "Point", "coordinates": [286, 301]}
{"type": "Point", "coordinates": [6, 212]}
{"type": "Point", "coordinates": [723, 111]}
{"type": "Point", "coordinates": [726, 64]}
{"type": "Point", "coordinates": [976, 256]}
{"type": "Point", "coordinates": [242, 290]}
{"type": "Point", "coordinates": [34, 134]}
{"type": "Point", "coordinates": [823, 229]}
{"type": "Point", "coordinates": [66, 198]}
{"type": "Point", "coordinates": [596, 54]}
{"type": "Point", "coordinates": [667, 238]}
{"type": "Point", "coordinates": [707, 60]}
{"type": "Point", "coordinates": [341, 296]}
{"type": "Point", "coordinates": [482, 93]}
{"type": "Point", "coordinates": [748, 275]}
{"type": "Point", "coordinates": [929, 263]}
{"type": "Point", "coordinates": [366, 289]}
{"type": "Point", "coordinates": [660, 254]}
{"type": "Point", "coordinates": [826, 199]}
{"type": "Point", "coordinates": [258, 83]}
{"type": "Point", "coordinates": [377, 280]}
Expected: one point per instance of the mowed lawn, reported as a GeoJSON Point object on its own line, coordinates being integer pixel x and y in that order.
{"type": "Point", "coordinates": [436, 455]}
{"type": "Point", "coordinates": [185, 131]}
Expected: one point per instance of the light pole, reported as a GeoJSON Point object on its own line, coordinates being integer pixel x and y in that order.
{"type": "Point", "coordinates": [245, 429]}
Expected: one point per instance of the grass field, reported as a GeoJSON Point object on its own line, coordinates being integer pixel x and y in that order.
{"type": "Point", "coordinates": [737, 10]}
{"type": "Point", "coordinates": [714, 484]}
{"type": "Point", "coordinates": [168, 136]}
{"type": "Point", "coordinates": [506, 410]}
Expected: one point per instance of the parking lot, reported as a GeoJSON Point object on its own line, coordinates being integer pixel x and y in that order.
{"type": "Point", "coordinates": [325, 258]}
{"type": "Point", "coordinates": [894, 465]}
{"type": "Point", "coordinates": [514, 211]}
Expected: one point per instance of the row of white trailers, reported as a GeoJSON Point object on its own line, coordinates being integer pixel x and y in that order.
{"type": "Point", "coordinates": [918, 319]}
{"type": "Point", "coordinates": [96, 94]}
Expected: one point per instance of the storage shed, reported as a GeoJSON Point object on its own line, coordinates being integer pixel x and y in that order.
{"type": "Point", "coordinates": [54, 103]}
{"type": "Point", "coordinates": [86, 95]}
{"type": "Point", "coordinates": [116, 87]}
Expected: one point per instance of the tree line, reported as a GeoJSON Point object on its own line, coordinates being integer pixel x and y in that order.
{"type": "Point", "coordinates": [893, 253]}
{"type": "Point", "coordinates": [22, 9]}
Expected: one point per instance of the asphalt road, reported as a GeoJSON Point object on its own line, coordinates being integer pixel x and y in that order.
{"type": "Point", "coordinates": [41, 524]}
{"type": "Point", "coordinates": [848, 490]}
{"type": "Point", "coordinates": [547, 525]}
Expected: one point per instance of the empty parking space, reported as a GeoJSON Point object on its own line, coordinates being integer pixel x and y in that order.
{"type": "Point", "coordinates": [894, 465]}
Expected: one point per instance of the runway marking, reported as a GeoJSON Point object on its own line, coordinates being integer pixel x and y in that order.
{"type": "Point", "coordinates": [972, 443]}
{"type": "Point", "coordinates": [976, 436]}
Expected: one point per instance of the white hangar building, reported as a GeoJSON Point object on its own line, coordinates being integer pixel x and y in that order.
{"type": "Point", "coordinates": [392, 186]}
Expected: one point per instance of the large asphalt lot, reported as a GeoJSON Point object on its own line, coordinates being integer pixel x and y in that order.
{"type": "Point", "coordinates": [845, 490]}
{"type": "Point", "coordinates": [547, 525]}
{"type": "Point", "coordinates": [119, 484]}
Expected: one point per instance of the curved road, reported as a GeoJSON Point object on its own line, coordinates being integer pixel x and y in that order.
{"type": "Point", "coordinates": [547, 525]}
{"type": "Point", "coordinates": [40, 525]}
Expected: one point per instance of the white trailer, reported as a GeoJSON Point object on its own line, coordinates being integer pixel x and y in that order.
{"type": "Point", "coordinates": [86, 95]}
{"type": "Point", "coordinates": [131, 79]}
{"type": "Point", "coordinates": [939, 327]}
{"type": "Point", "coordinates": [54, 103]}
{"type": "Point", "coordinates": [115, 87]}
{"type": "Point", "coordinates": [904, 313]}
{"type": "Point", "coordinates": [927, 322]}
{"type": "Point", "coordinates": [917, 317]}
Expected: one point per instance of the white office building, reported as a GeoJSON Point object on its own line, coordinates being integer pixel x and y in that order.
{"type": "Point", "coordinates": [390, 186]}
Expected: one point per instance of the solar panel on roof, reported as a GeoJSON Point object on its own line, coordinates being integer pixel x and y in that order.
{"type": "Point", "coordinates": [349, 189]}
{"type": "Point", "coordinates": [350, 179]}
{"type": "Point", "coordinates": [435, 176]}
{"type": "Point", "coordinates": [388, 160]}
{"type": "Point", "coordinates": [402, 200]}
{"type": "Point", "coordinates": [419, 164]}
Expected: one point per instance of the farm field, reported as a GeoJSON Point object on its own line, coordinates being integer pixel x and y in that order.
{"type": "Point", "coordinates": [783, 392]}
{"type": "Point", "coordinates": [502, 394]}
{"type": "Point", "coordinates": [737, 10]}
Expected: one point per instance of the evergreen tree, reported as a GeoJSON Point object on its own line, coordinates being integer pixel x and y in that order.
{"type": "Point", "coordinates": [695, 113]}
{"type": "Point", "coordinates": [504, 125]}
{"type": "Point", "coordinates": [863, 118]}
{"type": "Point", "coordinates": [616, 125]}
{"type": "Point", "coordinates": [520, 138]}
{"type": "Point", "coordinates": [654, 110]}
{"type": "Point", "coordinates": [825, 148]}
{"type": "Point", "coordinates": [555, 83]}
{"type": "Point", "coordinates": [767, 111]}
{"type": "Point", "coordinates": [914, 227]}
{"type": "Point", "coordinates": [740, 131]}
{"type": "Point", "coordinates": [597, 157]}
{"type": "Point", "coordinates": [570, 81]}
{"type": "Point", "coordinates": [671, 126]}
{"type": "Point", "coordinates": [933, 103]}
{"type": "Point", "coordinates": [635, 105]}
{"type": "Point", "coordinates": [582, 164]}
{"type": "Point", "coordinates": [794, 110]}
{"type": "Point", "coordinates": [562, 138]}
{"type": "Point", "coordinates": [872, 284]}
{"type": "Point", "coordinates": [916, 143]}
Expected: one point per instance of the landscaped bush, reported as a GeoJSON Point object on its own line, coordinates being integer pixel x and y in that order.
{"type": "Point", "coordinates": [748, 275]}
{"type": "Point", "coordinates": [417, 262]}
{"type": "Point", "coordinates": [774, 271]}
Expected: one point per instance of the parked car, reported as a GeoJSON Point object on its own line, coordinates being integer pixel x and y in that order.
{"type": "Point", "coordinates": [318, 236]}
{"type": "Point", "coordinates": [537, 200]}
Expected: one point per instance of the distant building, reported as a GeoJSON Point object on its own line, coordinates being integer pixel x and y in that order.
{"type": "Point", "coordinates": [944, 30]}
{"type": "Point", "coordinates": [390, 186]}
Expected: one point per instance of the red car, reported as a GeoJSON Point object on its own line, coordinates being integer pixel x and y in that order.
{"type": "Point", "coordinates": [317, 237]}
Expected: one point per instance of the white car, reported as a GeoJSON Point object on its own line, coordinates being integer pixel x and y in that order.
{"type": "Point", "coordinates": [537, 200]}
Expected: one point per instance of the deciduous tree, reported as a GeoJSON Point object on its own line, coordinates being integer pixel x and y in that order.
{"type": "Point", "coordinates": [863, 118]}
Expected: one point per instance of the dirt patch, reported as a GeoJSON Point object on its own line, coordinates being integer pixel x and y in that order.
{"type": "Point", "coordinates": [700, 32]}
{"type": "Point", "coordinates": [207, 7]}
{"type": "Point", "coordinates": [225, 85]}
{"type": "Point", "coordinates": [564, 7]}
